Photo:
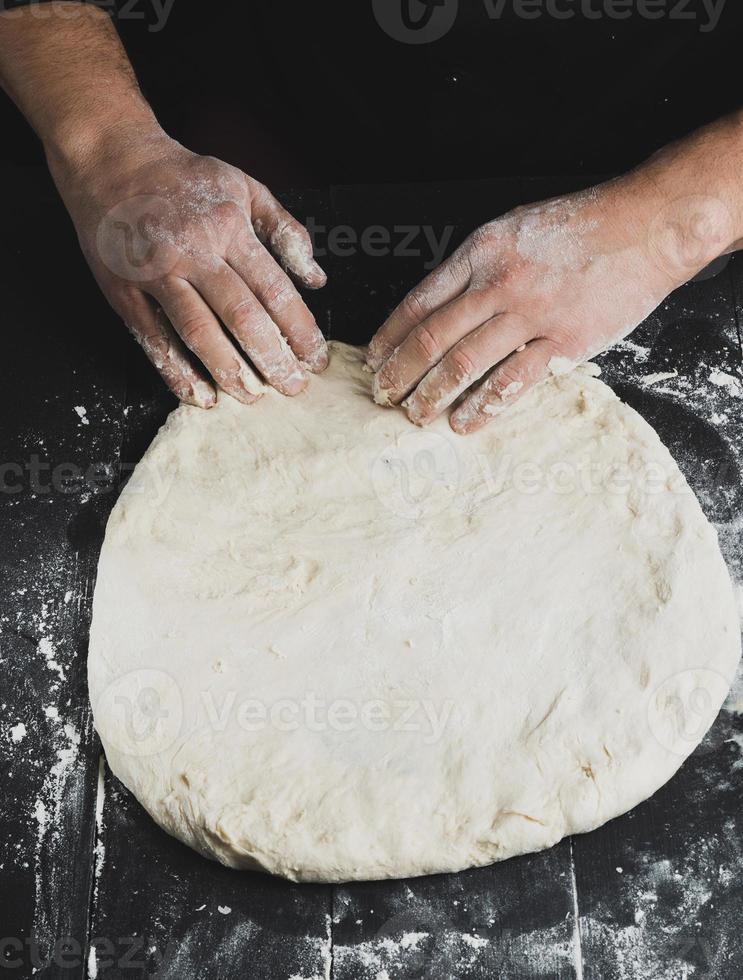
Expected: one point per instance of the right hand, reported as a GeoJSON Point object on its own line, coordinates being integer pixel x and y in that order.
{"type": "Point", "coordinates": [181, 246]}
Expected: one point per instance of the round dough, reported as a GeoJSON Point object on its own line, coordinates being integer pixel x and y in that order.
{"type": "Point", "coordinates": [333, 646]}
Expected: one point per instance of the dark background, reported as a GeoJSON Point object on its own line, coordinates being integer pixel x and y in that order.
{"type": "Point", "coordinates": [309, 94]}
{"type": "Point", "coordinates": [451, 133]}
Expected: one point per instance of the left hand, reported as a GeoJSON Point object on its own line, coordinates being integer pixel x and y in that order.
{"type": "Point", "coordinates": [534, 292]}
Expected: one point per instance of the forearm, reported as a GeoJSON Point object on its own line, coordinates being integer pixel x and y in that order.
{"type": "Point", "coordinates": [70, 76]}
{"type": "Point", "coordinates": [696, 186]}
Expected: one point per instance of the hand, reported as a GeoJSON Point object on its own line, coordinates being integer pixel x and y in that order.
{"type": "Point", "coordinates": [181, 246]}
{"type": "Point", "coordinates": [537, 291]}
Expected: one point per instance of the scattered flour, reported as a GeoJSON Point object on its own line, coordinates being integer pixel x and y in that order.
{"type": "Point", "coordinates": [654, 379]}
{"type": "Point", "coordinates": [727, 381]}
{"type": "Point", "coordinates": [18, 732]}
{"type": "Point", "coordinates": [48, 649]}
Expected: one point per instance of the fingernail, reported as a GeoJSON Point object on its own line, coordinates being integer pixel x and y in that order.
{"type": "Point", "coordinates": [375, 361]}
{"type": "Point", "coordinates": [457, 425]}
{"type": "Point", "coordinates": [203, 395]}
{"type": "Point", "coordinates": [318, 359]}
{"type": "Point", "coordinates": [249, 382]}
{"type": "Point", "coordinates": [464, 419]}
{"type": "Point", "coordinates": [295, 383]}
{"type": "Point", "coordinates": [418, 418]}
{"type": "Point", "coordinates": [413, 411]}
{"type": "Point", "coordinates": [381, 394]}
{"type": "Point", "coordinates": [244, 396]}
{"type": "Point", "coordinates": [299, 262]}
{"type": "Point", "coordinates": [318, 274]}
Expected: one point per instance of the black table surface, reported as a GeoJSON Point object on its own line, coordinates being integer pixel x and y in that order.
{"type": "Point", "coordinates": [90, 886]}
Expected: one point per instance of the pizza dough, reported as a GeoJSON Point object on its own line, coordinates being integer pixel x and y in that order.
{"type": "Point", "coordinates": [333, 646]}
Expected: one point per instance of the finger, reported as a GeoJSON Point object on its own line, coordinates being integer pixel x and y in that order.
{"type": "Point", "coordinates": [196, 325]}
{"type": "Point", "coordinates": [510, 380]}
{"type": "Point", "coordinates": [439, 287]}
{"type": "Point", "coordinates": [465, 364]}
{"type": "Point", "coordinates": [280, 299]}
{"type": "Point", "coordinates": [427, 344]}
{"type": "Point", "coordinates": [252, 327]}
{"type": "Point", "coordinates": [165, 350]}
{"type": "Point", "coordinates": [285, 236]}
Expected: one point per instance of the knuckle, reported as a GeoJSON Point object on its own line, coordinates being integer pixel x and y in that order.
{"type": "Point", "coordinates": [239, 312]}
{"type": "Point", "coordinates": [248, 244]}
{"type": "Point", "coordinates": [124, 296]}
{"type": "Point", "coordinates": [423, 402]}
{"type": "Point", "coordinates": [485, 237]}
{"type": "Point", "coordinates": [505, 376]}
{"type": "Point", "coordinates": [277, 292]}
{"type": "Point", "coordinates": [511, 277]}
{"type": "Point", "coordinates": [426, 344]}
{"type": "Point", "coordinates": [155, 346]}
{"type": "Point", "coordinates": [414, 305]}
{"type": "Point", "coordinates": [222, 215]}
{"type": "Point", "coordinates": [288, 236]}
{"type": "Point", "coordinates": [258, 190]}
{"type": "Point", "coordinates": [458, 267]}
{"type": "Point", "coordinates": [462, 365]}
{"type": "Point", "coordinates": [479, 302]}
{"type": "Point", "coordinates": [299, 231]}
{"type": "Point", "coordinates": [194, 329]}
{"type": "Point", "coordinates": [384, 379]}
{"type": "Point", "coordinates": [277, 361]}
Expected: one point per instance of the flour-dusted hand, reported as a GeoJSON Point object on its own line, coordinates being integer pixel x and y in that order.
{"type": "Point", "coordinates": [541, 289]}
{"type": "Point", "coordinates": [189, 251]}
